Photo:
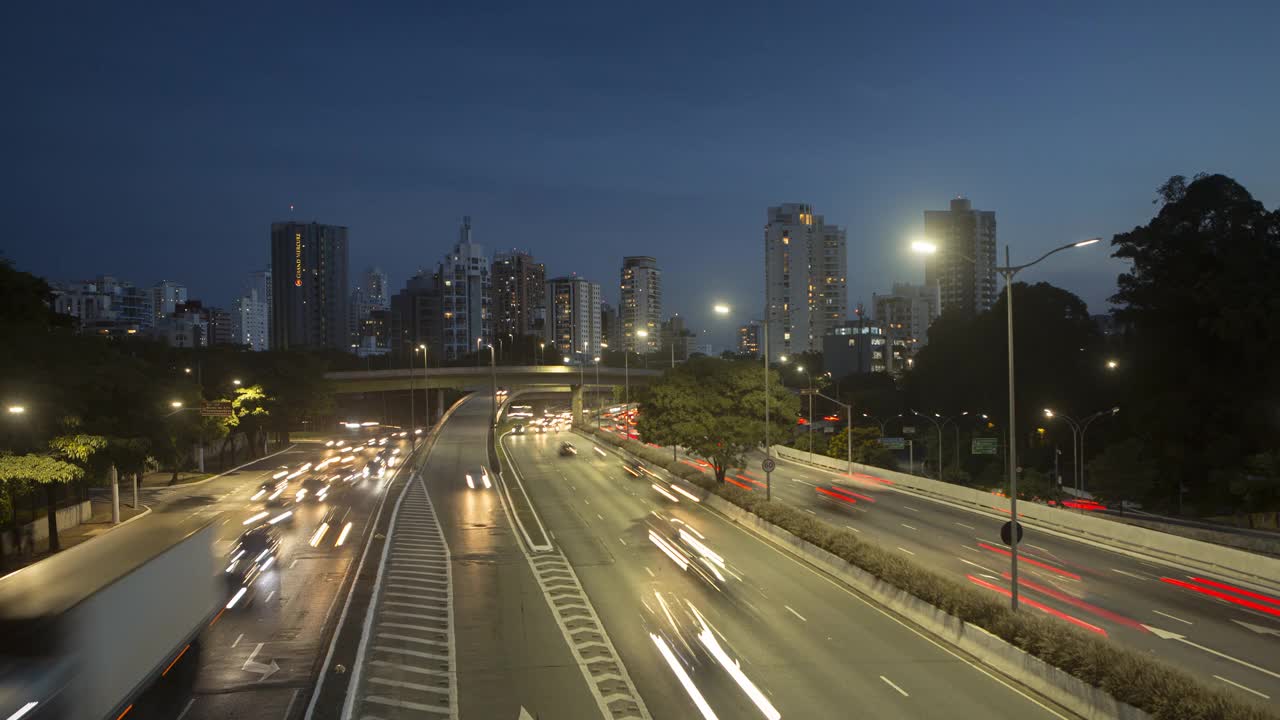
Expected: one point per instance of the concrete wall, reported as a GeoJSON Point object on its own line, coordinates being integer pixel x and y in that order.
{"type": "Point", "coordinates": [68, 517]}
{"type": "Point", "coordinates": [1230, 561]}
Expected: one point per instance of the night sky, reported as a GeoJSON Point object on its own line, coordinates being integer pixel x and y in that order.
{"type": "Point", "coordinates": [153, 142]}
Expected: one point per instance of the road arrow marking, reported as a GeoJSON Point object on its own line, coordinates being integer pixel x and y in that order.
{"type": "Point", "coordinates": [1260, 629]}
{"type": "Point", "coordinates": [257, 667]}
{"type": "Point", "coordinates": [524, 714]}
{"type": "Point", "coordinates": [1166, 635]}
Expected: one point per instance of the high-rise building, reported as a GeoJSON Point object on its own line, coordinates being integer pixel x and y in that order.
{"type": "Point", "coordinates": [906, 314]}
{"type": "Point", "coordinates": [416, 318]}
{"type": "Point", "coordinates": [640, 304]}
{"type": "Point", "coordinates": [519, 286]}
{"type": "Point", "coordinates": [166, 296]}
{"type": "Point", "coordinates": [677, 338]}
{"type": "Point", "coordinates": [465, 290]}
{"type": "Point", "coordinates": [368, 295]}
{"type": "Point", "coordinates": [610, 328]}
{"type": "Point", "coordinates": [806, 294]}
{"type": "Point", "coordinates": [749, 338]}
{"type": "Point", "coordinates": [251, 313]}
{"type": "Point", "coordinates": [964, 267]}
{"type": "Point", "coordinates": [105, 305]}
{"type": "Point", "coordinates": [309, 289]}
{"type": "Point", "coordinates": [573, 318]}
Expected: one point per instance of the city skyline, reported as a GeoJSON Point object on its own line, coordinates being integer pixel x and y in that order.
{"type": "Point", "coordinates": [674, 129]}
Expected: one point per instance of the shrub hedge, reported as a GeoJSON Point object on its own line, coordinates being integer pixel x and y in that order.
{"type": "Point", "coordinates": [1132, 677]}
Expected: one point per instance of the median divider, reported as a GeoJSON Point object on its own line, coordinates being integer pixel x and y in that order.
{"type": "Point", "coordinates": [1087, 675]}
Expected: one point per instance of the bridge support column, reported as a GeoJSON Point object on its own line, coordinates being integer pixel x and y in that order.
{"type": "Point", "coordinates": [576, 405]}
{"type": "Point", "coordinates": [438, 410]}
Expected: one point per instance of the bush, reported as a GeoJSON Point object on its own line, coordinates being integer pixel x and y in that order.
{"type": "Point", "coordinates": [1129, 676]}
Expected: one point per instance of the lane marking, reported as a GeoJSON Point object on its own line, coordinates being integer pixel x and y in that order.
{"type": "Point", "coordinates": [1242, 687]}
{"type": "Point", "coordinates": [804, 482]}
{"type": "Point", "coordinates": [646, 569]}
{"type": "Point", "coordinates": [905, 550]}
{"type": "Point", "coordinates": [909, 527]}
{"type": "Point", "coordinates": [622, 540]}
{"type": "Point", "coordinates": [1172, 617]}
{"type": "Point", "coordinates": [238, 639]}
{"type": "Point", "coordinates": [912, 510]}
{"type": "Point", "coordinates": [810, 511]}
{"type": "Point", "coordinates": [966, 526]}
{"type": "Point", "coordinates": [187, 707]}
{"type": "Point", "coordinates": [600, 516]}
{"type": "Point", "coordinates": [1129, 574]}
{"type": "Point", "coordinates": [853, 528]}
{"type": "Point", "coordinates": [966, 562]}
{"type": "Point", "coordinates": [269, 596]}
{"type": "Point", "coordinates": [292, 699]}
{"type": "Point", "coordinates": [793, 612]}
{"type": "Point", "coordinates": [295, 562]}
{"type": "Point", "coordinates": [895, 687]}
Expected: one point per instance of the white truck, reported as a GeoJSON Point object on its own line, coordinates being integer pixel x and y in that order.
{"type": "Point", "coordinates": [85, 631]}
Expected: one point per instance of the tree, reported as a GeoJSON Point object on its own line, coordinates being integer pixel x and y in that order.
{"type": "Point", "coordinates": [44, 470]}
{"type": "Point", "coordinates": [867, 448]}
{"type": "Point", "coordinates": [1124, 471]}
{"type": "Point", "coordinates": [26, 301]}
{"type": "Point", "coordinates": [1202, 279]}
{"type": "Point", "coordinates": [715, 408]}
{"type": "Point", "coordinates": [295, 388]}
{"type": "Point", "coordinates": [248, 417]}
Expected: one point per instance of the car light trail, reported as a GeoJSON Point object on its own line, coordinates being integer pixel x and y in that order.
{"type": "Point", "coordinates": [683, 677]}
{"type": "Point", "coordinates": [342, 536]}
{"type": "Point", "coordinates": [258, 494]}
{"type": "Point", "coordinates": [236, 598]}
{"type": "Point", "coordinates": [603, 454]}
{"type": "Point", "coordinates": [836, 496]}
{"type": "Point", "coordinates": [662, 491]}
{"type": "Point", "coordinates": [735, 482]}
{"type": "Point", "coordinates": [1076, 602]}
{"type": "Point", "coordinates": [712, 645]}
{"type": "Point", "coordinates": [703, 550]}
{"type": "Point", "coordinates": [850, 493]}
{"type": "Point", "coordinates": [280, 474]}
{"type": "Point", "coordinates": [277, 493]}
{"type": "Point", "coordinates": [1236, 590]}
{"type": "Point", "coordinates": [670, 552]}
{"type": "Point", "coordinates": [470, 483]}
{"type": "Point", "coordinates": [1037, 563]}
{"type": "Point", "coordinates": [262, 555]}
{"type": "Point", "coordinates": [23, 710]}
{"type": "Point", "coordinates": [1224, 596]}
{"type": "Point", "coordinates": [268, 563]}
{"type": "Point", "coordinates": [280, 517]}
{"type": "Point", "coordinates": [685, 493]}
{"type": "Point", "coordinates": [485, 478]}
{"type": "Point", "coordinates": [1040, 606]}
{"type": "Point", "coordinates": [256, 518]}
{"type": "Point", "coordinates": [319, 534]}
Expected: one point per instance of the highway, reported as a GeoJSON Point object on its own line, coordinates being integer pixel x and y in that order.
{"type": "Point", "coordinates": [1230, 635]}
{"type": "Point", "coordinates": [806, 645]}
{"type": "Point", "coordinates": [259, 660]}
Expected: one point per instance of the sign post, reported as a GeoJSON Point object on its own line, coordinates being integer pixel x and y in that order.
{"type": "Point", "coordinates": [984, 446]}
{"type": "Point", "coordinates": [215, 408]}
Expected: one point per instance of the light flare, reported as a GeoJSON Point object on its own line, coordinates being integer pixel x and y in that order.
{"type": "Point", "coordinates": [280, 517]}
{"type": "Point", "coordinates": [662, 491]}
{"type": "Point", "coordinates": [670, 552]}
{"type": "Point", "coordinates": [236, 598]}
{"type": "Point", "coordinates": [342, 536]}
{"type": "Point", "coordinates": [256, 518]}
{"type": "Point", "coordinates": [694, 694]}
{"type": "Point", "coordinates": [319, 534]}
{"type": "Point", "coordinates": [685, 493]}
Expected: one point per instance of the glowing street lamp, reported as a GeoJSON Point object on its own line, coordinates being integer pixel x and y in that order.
{"type": "Point", "coordinates": [175, 404]}
{"type": "Point", "coordinates": [17, 409]}
{"type": "Point", "coordinates": [1112, 364]}
{"type": "Point", "coordinates": [236, 382]}
{"type": "Point", "coordinates": [721, 309]}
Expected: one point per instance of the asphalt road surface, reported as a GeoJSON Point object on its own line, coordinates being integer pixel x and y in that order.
{"type": "Point", "coordinates": [774, 638]}
{"type": "Point", "coordinates": [259, 660]}
{"type": "Point", "coordinates": [1229, 632]}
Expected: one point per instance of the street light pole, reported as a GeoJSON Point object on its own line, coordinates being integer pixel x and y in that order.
{"type": "Point", "coordinates": [493, 380]}
{"type": "Point", "coordinates": [1087, 422]}
{"type": "Point", "coordinates": [848, 429]}
{"type": "Point", "coordinates": [1008, 272]}
{"type": "Point", "coordinates": [1075, 440]}
{"type": "Point", "coordinates": [937, 425]}
{"type": "Point", "coordinates": [600, 406]}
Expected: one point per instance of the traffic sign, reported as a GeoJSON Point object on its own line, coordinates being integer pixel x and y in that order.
{"type": "Point", "coordinates": [908, 429]}
{"type": "Point", "coordinates": [768, 465]}
{"type": "Point", "coordinates": [1005, 531]}
{"type": "Point", "coordinates": [985, 446]}
{"type": "Point", "coordinates": [807, 391]}
{"type": "Point", "coordinates": [216, 408]}
{"type": "Point", "coordinates": [894, 443]}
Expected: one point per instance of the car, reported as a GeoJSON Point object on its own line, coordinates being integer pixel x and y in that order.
{"type": "Point", "coordinates": [634, 468]}
{"type": "Point", "coordinates": [567, 449]}
{"type": "Point", "coordinates": [313, 488]}
{"type": "Point", "coordinates": [256, 552]}
{"type": "Point", "coordinates": [478, 478]}
{"type": "Point", "coordinates": [518, 429]}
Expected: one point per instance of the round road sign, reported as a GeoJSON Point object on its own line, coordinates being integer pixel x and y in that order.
{"type": "Point", "coordinates": [768, 465]}
{"type": "Point", "coordinates": [1005, 531]}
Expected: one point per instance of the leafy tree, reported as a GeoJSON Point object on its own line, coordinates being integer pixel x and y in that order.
{"type": "Point", "coordinates": [1200, 306]}
{"type": "Point", "coordinates": [1124, 471]}
{"type": "Point", "coordinates": [248, 417]}
{"type": "Point", "coordinates": [26, 301]}
{"type": "Point", "coordinates": [43, 470]}
{"type": "Point", "coordinates": [867, 448]}
{"type": "Point", "coordinates": [295, 388]}
{"type": "Point", "coordinates": [715, 408]}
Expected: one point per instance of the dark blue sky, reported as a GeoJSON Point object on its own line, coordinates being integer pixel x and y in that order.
{"type": "Point", "coordinates": [155, 142]}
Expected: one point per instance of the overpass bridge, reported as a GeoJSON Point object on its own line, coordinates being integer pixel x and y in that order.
{"type": "Point", "coordinates": [564, 378]}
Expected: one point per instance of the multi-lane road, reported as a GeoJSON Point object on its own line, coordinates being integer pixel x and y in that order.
{"type": "Point", "coordinates": [1228, 634]}
{"type": "Point", "coordinates": [259, 660]}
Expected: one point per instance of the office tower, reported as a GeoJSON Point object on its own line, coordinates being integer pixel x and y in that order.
{"type": "Point", "coordinates": [308, 286]}
{"type": "Point", "coordinates": [610, 328]}
{"type": "Point", "coordinates": [166, 295]}
{"type": "Point", "coordinates": [519, 284]}
{"type": "Point", "coordinates": [906, 313]}
{"type": "Point", "coordinates": [573, 318]}
{"type": "Point", "coordinates": [806, 295]}
{"type": "Point", "coordinates": [640, 304]}
{"type": "Point", "coordinates": [465, 296]}
{"type": "Point", "coordinates": [964, 267]}
{"type": "Point", "coordinates": [749, 339]}
{"type": "Point", "coordinates": [417, 318]}
{"type": "Point", "coordinates": [369, 294]}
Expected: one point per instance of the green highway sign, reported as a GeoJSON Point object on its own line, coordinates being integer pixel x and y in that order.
{"type": "Point", "coordinates": [894, 443]}
{"type": "Point", "coordinates": [985, 446]}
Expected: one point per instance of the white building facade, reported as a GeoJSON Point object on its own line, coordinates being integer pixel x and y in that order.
{"type": "Point", "coordinates": [907, 312]}
{"type": "Point", "coordinates": [806, 290]}
{"type": "Point", "coordinates": [640, 304]}
{"type": "Point", "coordinates": [572, 324]}
{"type": "Point", "coordinates": [466, 292]}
